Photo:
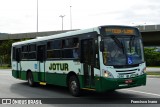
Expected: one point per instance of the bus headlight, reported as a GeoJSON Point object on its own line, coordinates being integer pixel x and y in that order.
{"type": "Point", "coordinates": [107, 74]}
{"type": "Point", "coordinates": [143, 71]}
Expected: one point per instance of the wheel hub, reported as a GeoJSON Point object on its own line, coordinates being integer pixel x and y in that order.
{"type": "Point", "coordinates": [73, 86]}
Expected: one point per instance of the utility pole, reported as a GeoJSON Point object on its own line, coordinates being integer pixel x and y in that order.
{"type": "Point", "coordinates": [62, 16]}
{"type": "Point", "coordinates": [144, 27]}
{"type": "Point", "coordinates": [37, 17]}
{"type": "Point", "coordinates": [71, 17]}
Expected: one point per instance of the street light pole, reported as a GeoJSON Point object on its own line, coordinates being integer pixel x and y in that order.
{"type": "Point", "coordinates": [62, 16]}
{"type": "Point", "coordinates": [144, 27]}
{"type": "Point", "coordinates": [71, 17]}
{"type": "Point", "coordinates": [37, 17]}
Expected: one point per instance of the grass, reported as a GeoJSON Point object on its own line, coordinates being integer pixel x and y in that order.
{"type": "Point", "coordinates": [153, 73]}
{"type": "Point", "coordinates": [5, 67]}
{"type": "Point", "coordinates": [153, 66]}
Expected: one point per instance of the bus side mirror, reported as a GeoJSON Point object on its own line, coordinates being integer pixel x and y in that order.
{"type": "Point", "coordinates": [101, 46]}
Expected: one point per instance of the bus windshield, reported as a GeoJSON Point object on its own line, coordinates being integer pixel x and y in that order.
{"type": "Point", "coordinates": [122, 50]}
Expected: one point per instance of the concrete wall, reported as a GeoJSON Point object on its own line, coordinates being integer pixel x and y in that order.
{"type": "Point", "coordinates": [149, 28]}
{"type": "Point", "coordinates": [150, 35]}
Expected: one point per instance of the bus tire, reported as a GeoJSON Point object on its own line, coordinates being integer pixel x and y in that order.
{"type": "Point", "coordinates": [30, 79]}
{"type": "Point", "coordinates": [74, 86]}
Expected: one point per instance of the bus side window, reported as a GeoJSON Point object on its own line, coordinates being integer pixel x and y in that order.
{"type": "Point", "coordinates": [70, 48]}
{"type": "Point", "coordinates": [32, 51]}
{"type": "Point", "coordinates": [54, 49]}
{"type": "Point", "coordinates": [24, 52]}
{"type": "Point", "coordinates": [67, 48]}
{"type": "Point", "coordinates": [76, 48]}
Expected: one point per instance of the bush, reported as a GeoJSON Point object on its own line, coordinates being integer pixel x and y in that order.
{"type": "Point", "coordinates": [152, 57]}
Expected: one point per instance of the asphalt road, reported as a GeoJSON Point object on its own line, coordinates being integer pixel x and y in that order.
{"type": "Point", "coordinates": [14, 88]}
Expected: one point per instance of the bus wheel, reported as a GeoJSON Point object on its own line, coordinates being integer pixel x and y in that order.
{"type": "Point", "coordinates": [74, 86]}
{"type": "Point", "coordinates": [30, 79]}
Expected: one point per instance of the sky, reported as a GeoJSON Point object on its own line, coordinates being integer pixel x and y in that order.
{"type": "Point", "coordinates": [20, 16]}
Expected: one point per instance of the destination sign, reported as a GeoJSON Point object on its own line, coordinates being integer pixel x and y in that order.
{"type": "Point", "coordinates": [120, 31]}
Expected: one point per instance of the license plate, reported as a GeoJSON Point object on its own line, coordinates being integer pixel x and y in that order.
{"type": "Point", "coordinates": [127, 75]}
{"type": "Point", "coordinates": [133, 75]}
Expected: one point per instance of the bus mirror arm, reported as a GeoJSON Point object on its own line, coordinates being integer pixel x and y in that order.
{"type": "Point", "coordinates": [101, 46]}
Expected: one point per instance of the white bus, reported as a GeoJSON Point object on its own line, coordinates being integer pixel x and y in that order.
{"type": "Point", "coordinates": [101, 59]}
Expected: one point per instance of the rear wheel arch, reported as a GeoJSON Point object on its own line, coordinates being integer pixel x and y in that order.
{"type": "Point", "coordinates": [27, 73]}
{"type": "Point", "coordinates": [30, 78]}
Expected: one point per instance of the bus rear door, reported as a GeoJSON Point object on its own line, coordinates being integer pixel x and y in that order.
{"type": "Point", "coordinates": [18, 64]}
{"type": "Point", "coordinates": [41, 62]}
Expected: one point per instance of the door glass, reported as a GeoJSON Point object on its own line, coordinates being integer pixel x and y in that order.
{"type": "Point", "coordinates": [41, 58]}
{"type": "Point", "coordinates": [88, 62]}
{"type": "Point", "coordinates": [41, 53]}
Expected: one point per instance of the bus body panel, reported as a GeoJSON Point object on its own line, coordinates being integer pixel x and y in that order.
{"type": "Point", "coordinates": [55, 70]}
{"type": "Point", "coordinates": [16, 69]}
{"type": "Point", "coordinates": [119, 83]}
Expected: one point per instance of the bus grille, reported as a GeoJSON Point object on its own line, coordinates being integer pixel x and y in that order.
{"type": "Point", "coordinates": [126, 70]}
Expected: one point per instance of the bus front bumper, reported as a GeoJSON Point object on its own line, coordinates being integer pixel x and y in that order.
{"type": "Point", "coordinates": [106, 84]}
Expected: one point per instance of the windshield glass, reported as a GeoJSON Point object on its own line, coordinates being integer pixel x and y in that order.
{"type": "Point", "coordinates": [122, 50]}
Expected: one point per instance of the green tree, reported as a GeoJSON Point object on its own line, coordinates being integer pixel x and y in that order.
{"type": "Point", "coordinates": [152, 57]}
{"type": "Point", "coordinates": [5, 52]}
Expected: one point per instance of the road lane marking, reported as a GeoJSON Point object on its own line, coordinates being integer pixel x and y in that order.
{"type": "Point", "coordinates": [143, 92]}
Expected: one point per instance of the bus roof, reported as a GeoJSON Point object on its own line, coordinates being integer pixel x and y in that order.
{"type": "Point", "coordinates": [66, 34]}
{"type": "Point", "coordinates": [61, 35]}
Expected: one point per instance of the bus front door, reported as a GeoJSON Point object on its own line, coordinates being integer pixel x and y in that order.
{"type": "Point", "coordinates": [87, 55]}
{"type": "Point", "coordinates": [41, 62]}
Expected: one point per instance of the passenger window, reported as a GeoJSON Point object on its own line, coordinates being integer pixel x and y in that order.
{"type": "Point", "coordinates": [32, 51]}
{"type": "Point", "coordinates": [54, 49]}
{"type": "Point", "coordinates": [70, 48]}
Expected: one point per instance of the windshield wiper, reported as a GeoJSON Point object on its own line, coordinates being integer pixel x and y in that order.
{"type": "Point", "coordinates": [131, 42]}
{"type": "Point", "coordinates": [119, 44]}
